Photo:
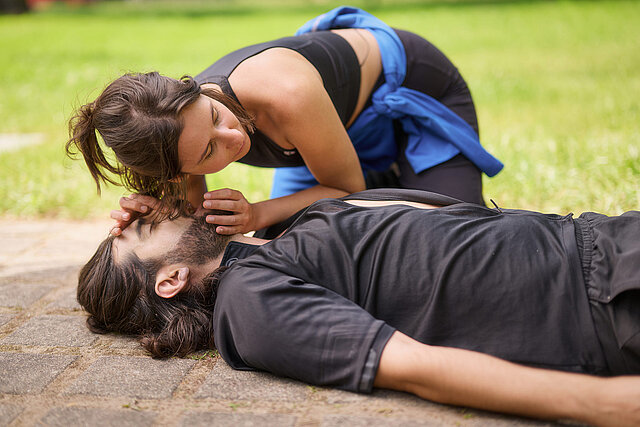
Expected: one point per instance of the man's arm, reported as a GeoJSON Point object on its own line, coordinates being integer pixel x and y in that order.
{"type": "Point", "coordinates": [466, 378]}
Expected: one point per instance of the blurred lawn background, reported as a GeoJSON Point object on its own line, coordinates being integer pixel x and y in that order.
{"type": "Point", "coordinates": [556, 86]}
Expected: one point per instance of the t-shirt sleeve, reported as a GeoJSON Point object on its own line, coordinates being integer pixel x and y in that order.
{"type": "Point", "coordinates": [270, 321]}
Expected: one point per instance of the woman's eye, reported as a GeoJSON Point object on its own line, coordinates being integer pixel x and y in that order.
{"type": "Point", "coordinates": [216, 117]}
{"type": "Point", "coordinates": [210, 153]}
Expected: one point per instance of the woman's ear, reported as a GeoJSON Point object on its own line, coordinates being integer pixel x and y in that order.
{"type": "Point", "coordinates": [170, 280]}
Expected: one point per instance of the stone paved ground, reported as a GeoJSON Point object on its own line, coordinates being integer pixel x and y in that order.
{"type": "Point", "coordinates": [54, 372]}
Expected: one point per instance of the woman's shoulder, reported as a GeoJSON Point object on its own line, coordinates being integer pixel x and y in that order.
{"type": "Point", "coordinates": [276, 78]}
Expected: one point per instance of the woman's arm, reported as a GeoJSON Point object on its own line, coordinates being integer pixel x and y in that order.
{"type": "Point", "coordinates": [467, 378]}
{"type": "Point", "coordinates": [196, 187]}
{"type": "Point", "coordinates": [286, 95]}
{"type": "Point", "coordinates": [254, 216]}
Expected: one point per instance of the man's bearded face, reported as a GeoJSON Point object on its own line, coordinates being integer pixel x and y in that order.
{"type": "Point", "coordinates": [198, 244]}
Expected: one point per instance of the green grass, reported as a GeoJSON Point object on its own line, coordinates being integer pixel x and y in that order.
{"type": "Point", "coordinates": [556, 86]}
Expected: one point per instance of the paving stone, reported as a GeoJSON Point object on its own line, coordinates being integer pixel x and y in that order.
{"type": "Point", "coordinates": [125, 342]}
{"type": "Point", "coordinates": [4, 318]}
{"type": "Point", "coordinates": [21, 295]}
{"type": "Point", "coordinates": [141, 377]}
{"type": "Point", "coordinates": [399, 399]}
{"type": "Point", "coordinates": [12, 246]}
{"type": "Point", "coordinates": [382, 421]}
{"type": "Point", "coordinates": [335, 396]}
{"type": "Point", "coordinates": [43, 274]}
{"type": "Point", "coordinates": [29, 373]}
{"type": "Point", "coordinates": [53, 244]}
{"type": "Point", "coordinates": [430, 414]}
{"type": "Point", "coordinates": [77, 243]}
{"type": "Point", "coordinates": [402, 400]}
{"type": "Point", "coordinates": [472, 418]}
{"type": "Point", "coordinates": [196, 419]}
{"type": "Point", "coordinates": [52, 330]}
{"type": "Point", "coordinates": [89, 417]}
{"type": "Point", "coordinates": [66, 300]}
{"type": "Point", "coordinates": [8, 413]}
{"type": "Point", "coordinates": [223, 382]}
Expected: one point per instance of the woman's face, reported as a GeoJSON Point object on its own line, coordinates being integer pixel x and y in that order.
{"type": "Point", "coordinates": [212, 137]}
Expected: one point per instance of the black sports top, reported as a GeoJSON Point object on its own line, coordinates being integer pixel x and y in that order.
{"type": "Point", "coordinates": [329, 53]}
{"type": "Point", "coordinates": [320, 303]}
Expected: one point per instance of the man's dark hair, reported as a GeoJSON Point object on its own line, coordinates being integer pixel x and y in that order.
{"type": "Point", "coordinates": [120, 297]}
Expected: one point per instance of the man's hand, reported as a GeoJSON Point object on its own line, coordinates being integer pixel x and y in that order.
{"type": "Point", "coordinates": [132, 207]}
{"type": "Point", "coordinates": [243, 218]}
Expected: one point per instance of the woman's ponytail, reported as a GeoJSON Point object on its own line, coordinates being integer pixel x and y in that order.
{"type": "Point", "coordinates": [83, 139]}
{"type": "Point", "coordinates": [136, 116]}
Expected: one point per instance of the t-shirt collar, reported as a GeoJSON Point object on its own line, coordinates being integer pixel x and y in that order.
{"type": "Point", "coordinates": [236, 251]}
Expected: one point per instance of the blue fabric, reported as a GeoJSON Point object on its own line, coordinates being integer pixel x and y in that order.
{"type": "Point", "coordinates": [435, 133]}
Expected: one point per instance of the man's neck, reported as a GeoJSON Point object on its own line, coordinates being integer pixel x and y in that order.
{"type": "Point", "coordinates": [249, 240]}
{"type": "Point", "coordinates": [215, 263]}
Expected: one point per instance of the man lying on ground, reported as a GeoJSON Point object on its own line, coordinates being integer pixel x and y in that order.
{"type": "Point", "coordinates": [372, 291]}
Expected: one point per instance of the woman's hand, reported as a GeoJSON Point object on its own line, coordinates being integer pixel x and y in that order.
{"type": "Point", "coordinates": [243, 218]}
{"type": "Point", "coordinates": [131, 207]}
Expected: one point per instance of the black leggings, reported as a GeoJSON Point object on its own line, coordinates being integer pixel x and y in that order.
{"type": "Point", "coordinates": [429, 71]}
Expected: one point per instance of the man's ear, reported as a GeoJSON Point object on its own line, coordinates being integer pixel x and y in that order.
{"type": "Point", "coordinates": [170, 280]}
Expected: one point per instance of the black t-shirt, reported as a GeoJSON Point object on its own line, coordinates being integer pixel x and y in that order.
{"type": "Point", "coordinates": [319, 303]}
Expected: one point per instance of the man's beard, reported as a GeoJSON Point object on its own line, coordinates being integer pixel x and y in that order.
{"type": "Point", "coordinates": [199, 243]}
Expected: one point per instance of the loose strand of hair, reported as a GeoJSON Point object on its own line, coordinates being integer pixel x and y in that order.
{"type": "Point", "coordinates": [83, 139]}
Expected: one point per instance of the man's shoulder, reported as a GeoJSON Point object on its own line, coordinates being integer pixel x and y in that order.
{"type": "Point", "coordinates": [409, 195]}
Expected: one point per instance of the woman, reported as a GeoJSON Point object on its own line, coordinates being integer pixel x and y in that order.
{"type": "Point", "coordinates": [326, 106]}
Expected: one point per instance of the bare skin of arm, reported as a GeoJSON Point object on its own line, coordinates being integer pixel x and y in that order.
{"type": "Point", "coordinates": [290, 105]}
{"type": "Point", "coordinates": [196, 187]}
{"type": "Point", "coordinates": [466, 378]}
{"type": "Point", "coordinates": [295, 112]}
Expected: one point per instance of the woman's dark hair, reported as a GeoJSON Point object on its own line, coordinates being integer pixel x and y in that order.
{"type": "Point", "coordinates": [120, 297]}
{"type": "Point", "coordinates": [137, 116]}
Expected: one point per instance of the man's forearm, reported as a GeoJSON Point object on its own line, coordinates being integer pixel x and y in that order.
{"type": "Point", "coordinates": [467, 378]}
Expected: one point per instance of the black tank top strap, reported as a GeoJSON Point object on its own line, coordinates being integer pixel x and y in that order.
{"type": "Point", "coordinates": [336, 63]}
{"type": "Point", "coordinates": [264, 152]}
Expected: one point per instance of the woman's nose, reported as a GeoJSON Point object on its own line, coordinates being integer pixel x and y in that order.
{"type": "Point", "coordinates": [228, 136]}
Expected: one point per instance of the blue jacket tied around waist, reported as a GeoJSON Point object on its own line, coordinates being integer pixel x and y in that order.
{"type": "Point", "coordinates": [435, 133]}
